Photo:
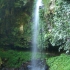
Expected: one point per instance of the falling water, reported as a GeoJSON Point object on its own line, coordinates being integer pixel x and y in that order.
{"type": "Point", "coordinates": [35, 37]}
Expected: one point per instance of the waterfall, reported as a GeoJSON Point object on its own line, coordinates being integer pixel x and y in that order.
{"type": "Point", "coordinates": [34, 62]}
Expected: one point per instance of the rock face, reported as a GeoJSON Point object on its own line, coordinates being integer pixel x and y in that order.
{"type": "Point", "coordinates": [28, 66]}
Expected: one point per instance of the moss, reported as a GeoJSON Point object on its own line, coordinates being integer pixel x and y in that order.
{"type": "Point", "coordinates": [61, 62]}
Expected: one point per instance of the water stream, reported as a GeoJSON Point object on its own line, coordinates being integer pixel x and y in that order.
{"type": "Point", "coordinates": [35, 65]}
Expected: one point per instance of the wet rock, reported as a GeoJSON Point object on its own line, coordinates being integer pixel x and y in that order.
{"type": "Point", "coordinates": [21, 68]}
{"type": "Point", "coordinates": [8, 69]}
{"type": "Point", "coordinates": [29, 67]}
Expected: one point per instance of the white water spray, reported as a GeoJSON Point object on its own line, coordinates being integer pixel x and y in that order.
{"type": "Point", "coordinates": [35, 37]}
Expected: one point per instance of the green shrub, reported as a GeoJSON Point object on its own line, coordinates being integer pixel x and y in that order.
{"type": "Point", "coordinates": [61, 62]}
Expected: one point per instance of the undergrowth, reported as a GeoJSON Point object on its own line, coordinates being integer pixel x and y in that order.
{"type": "Point", "coordinates": [13, 58]}
{"type": "Point", "coordinates": [61, 62]}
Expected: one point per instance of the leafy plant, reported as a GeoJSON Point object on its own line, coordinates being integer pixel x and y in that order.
{"type": "Point", "coordinates": [59, 62]}
{"type": "Point", "coordinates": [60, 25]}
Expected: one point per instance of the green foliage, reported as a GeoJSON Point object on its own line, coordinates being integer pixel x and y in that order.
{"type": "Point", "coordinates": [21, 3]}
{"type": "Point", "coordinates": [60, 25]}
{"type": "Point", "coordinates": [59, 62]}
{"type": "Point", "coordinates": [46, 6]}
{"type": "Point", "coordinates": [13, 14]}
{"type": "Point", "coordinates": [42, 29]}
{"type": "Point", "coordinates": [14, 59]}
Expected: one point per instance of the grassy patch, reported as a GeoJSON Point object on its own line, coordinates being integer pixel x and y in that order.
{"type": "Point", "coordinates": [61, 62]}
{"type": "Point", "coordinates": [13, 58]}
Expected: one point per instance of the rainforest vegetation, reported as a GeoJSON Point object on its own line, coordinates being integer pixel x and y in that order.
{"type": "Point", "coordinates": [16, 20]}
